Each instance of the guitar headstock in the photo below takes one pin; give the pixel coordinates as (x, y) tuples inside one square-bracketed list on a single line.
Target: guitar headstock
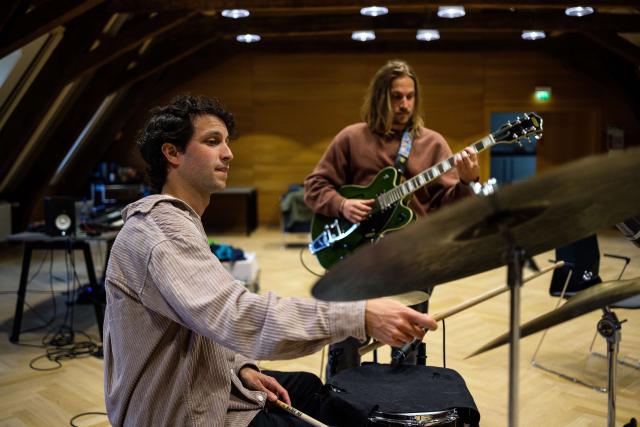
[(530, 125)]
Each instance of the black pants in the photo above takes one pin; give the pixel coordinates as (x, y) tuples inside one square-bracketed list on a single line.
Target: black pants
[(303, 389)]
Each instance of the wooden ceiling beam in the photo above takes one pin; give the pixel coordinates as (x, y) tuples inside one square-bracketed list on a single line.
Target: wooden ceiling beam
[(474, 21), (128, 40), (42, 20), (47, 86), (158, 5), (10, 9), (624, 48), (167, 54)]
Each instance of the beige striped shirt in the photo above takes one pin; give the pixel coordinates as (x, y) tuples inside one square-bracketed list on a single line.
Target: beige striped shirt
[(178, 327)]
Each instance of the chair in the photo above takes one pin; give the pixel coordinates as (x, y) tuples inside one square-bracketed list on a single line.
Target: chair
[(581, 271), (295, 216)]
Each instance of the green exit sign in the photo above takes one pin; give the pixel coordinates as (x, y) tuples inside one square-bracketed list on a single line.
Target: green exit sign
[(543, 94)]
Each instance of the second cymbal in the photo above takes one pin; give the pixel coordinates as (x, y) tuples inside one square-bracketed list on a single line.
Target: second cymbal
[(590, 299), (411, 298)]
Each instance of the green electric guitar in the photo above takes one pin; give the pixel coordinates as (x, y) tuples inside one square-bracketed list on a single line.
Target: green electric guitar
[(335, 238)]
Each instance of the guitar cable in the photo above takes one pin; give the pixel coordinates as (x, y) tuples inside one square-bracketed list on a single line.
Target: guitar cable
[(306, 267)]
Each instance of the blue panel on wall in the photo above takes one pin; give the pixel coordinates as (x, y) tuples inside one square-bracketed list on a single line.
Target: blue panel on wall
[(511, 162)]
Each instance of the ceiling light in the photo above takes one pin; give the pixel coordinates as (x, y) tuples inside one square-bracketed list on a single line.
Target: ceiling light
[(374, 11), (428, 35), (248, 38), (235, 13), (533, 35), (451, 11), (578, 11), (363, 36)]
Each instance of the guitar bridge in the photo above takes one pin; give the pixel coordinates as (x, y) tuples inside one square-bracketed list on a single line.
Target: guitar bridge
[(332, 233)]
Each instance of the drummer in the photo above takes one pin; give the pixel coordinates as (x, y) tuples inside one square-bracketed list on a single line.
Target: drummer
[(180, 335), (392, 109)]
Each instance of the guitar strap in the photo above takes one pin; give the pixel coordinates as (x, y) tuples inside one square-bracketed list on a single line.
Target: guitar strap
[(403, 151)]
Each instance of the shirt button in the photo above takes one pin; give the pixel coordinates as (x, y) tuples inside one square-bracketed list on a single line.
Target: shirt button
[(260, 397)]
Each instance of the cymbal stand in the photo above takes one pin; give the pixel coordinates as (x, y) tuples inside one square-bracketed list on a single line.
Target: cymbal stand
[(515, 258), (609, 327)]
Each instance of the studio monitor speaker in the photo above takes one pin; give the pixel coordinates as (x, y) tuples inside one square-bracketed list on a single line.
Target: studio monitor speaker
[(59, 215)]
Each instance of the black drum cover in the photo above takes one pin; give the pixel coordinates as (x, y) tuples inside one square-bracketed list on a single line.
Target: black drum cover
[(354, 394)]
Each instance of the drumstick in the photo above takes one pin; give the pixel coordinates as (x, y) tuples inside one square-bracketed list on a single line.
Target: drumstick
[(467, 304), (299, 414)]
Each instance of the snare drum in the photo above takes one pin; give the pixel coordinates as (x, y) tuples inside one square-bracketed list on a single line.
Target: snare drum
[(447, 418), (398, 396)]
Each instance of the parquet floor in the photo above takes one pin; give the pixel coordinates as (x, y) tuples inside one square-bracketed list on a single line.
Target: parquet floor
[(51, 398)]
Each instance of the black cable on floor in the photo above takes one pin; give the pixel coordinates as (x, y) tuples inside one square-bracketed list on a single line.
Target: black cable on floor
[(84, 414)]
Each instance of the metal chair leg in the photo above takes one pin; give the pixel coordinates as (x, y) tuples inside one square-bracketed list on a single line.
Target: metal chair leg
[(562, 375)]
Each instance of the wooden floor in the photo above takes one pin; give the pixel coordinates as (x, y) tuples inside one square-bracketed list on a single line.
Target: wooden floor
[(51, 398)]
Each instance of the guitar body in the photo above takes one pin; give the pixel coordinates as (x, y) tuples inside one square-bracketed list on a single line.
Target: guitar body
[(369, 230), (335, 238)]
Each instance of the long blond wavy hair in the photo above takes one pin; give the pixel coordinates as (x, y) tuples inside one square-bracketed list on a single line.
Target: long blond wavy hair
[(376, 109)]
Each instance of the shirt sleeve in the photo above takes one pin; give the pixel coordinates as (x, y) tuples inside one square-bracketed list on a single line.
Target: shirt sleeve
[(196, 291), (331, 172)]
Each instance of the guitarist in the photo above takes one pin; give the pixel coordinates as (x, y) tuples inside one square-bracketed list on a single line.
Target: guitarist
[(392, 107)]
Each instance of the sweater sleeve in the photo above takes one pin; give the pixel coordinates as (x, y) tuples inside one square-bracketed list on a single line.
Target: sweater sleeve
[(331, 172)]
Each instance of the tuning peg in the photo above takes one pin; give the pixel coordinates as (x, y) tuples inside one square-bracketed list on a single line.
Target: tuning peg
[(537, 137), (526, 116)]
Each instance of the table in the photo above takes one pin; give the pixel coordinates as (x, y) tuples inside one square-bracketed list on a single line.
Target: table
[(231, 210), (38, 241)]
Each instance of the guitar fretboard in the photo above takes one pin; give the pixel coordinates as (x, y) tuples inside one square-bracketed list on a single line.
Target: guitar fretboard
[(411, 185)]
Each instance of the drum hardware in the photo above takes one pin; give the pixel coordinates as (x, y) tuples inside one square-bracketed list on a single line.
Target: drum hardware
[(563, 293), (529, 217), (598, 296), (470, 303), (425, 419)]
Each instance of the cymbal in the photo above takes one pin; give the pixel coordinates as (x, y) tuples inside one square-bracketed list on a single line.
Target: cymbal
[(590, 299), (411, 298), (473, 235)]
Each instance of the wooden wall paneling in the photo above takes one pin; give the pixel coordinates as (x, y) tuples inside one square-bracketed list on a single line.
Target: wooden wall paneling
[(568, 136), (290, 105)]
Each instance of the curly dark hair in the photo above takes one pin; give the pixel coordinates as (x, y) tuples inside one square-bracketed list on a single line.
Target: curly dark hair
[(173, 123)]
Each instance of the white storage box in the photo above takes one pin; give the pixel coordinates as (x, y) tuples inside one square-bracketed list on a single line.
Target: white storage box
[(247, 271)]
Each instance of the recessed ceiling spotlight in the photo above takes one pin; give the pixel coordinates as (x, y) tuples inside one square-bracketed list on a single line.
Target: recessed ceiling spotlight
[(374, 11), (578, 11), (451, 11), (248, 38), (533, 35), (235, 13), (363, 36), (428, 35)]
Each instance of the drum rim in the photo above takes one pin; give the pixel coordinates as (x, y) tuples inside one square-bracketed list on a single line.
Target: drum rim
[(446, 415)]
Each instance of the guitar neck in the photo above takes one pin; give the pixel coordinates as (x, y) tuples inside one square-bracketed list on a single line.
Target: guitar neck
[(414, 184)]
